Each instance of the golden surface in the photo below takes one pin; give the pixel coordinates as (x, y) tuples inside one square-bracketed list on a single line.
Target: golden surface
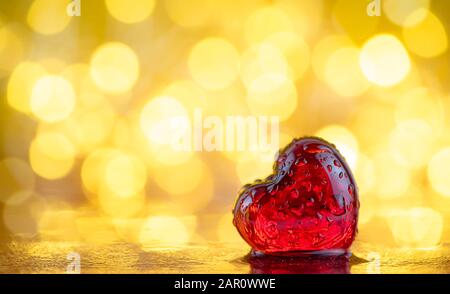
[(212, 257)]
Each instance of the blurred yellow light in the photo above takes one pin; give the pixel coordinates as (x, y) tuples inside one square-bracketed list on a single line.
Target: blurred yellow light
[(53, 64), (227, 233), (58, 225), (88, 129), (93, 168), (343, 73), (190, 94), (76, 74), (262, 158), (392, 179), (21, 219), (181, 179), (118, 206), (88, 93), (11, 50), (427, 38), (365, 174), (251, 169), (418, 227), (400, 11), (196, 200), (351, 16), (295, 50), (420, 104), (190, 14), (165, 155), (48, 17), (324, 49), (272, 95), (125, 175), (52, 99), (391, 95), (306, 16), (20, 196), (366, 210), (15, 176), (51, 155), (411, 143), (262, 59), (130, 11), (266, 21), (21, 84), (161, 118), (96, 230), (438, 174), (368, 118), (384, 60), (114, 68), (128, 229), (228, 101), (214, 63), (163, 232), (344, 141)]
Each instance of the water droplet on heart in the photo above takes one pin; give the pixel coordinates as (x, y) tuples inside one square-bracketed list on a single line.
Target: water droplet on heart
[(337, 163), (310, 202), (307, 186), (329, 168), (300, 161), (351, 189), (341, 174)]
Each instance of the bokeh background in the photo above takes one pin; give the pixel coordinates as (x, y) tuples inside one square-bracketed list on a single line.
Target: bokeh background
[(84, 155)]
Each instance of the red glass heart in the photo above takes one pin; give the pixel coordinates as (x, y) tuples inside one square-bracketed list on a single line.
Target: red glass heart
[(309, 205)]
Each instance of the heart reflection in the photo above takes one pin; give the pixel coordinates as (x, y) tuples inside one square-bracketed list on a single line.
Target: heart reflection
[(304, 264)]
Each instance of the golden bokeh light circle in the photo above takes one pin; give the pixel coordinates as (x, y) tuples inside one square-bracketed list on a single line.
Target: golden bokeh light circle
[(52, 155), (438, 175), (114, 68), (417, 37), (272, 95), (343, 73), (48, 17), (130, 11), (214, 63), (384, 60), (53, 99)]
